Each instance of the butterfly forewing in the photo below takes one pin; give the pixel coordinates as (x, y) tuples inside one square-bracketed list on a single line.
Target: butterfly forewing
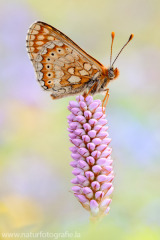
[(61, 66)]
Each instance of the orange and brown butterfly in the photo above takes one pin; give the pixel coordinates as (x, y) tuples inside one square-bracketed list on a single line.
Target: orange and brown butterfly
[(62, 67)]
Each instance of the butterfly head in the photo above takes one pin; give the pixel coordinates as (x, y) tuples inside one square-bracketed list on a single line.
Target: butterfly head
[(112, 73)]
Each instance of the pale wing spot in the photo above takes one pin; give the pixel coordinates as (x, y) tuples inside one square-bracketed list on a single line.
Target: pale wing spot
[(45, 30), (39, 48), (95, 75), (74, 79), (34, 55), (40, 37), (36, 27), (59, 63), (31, 49), (44, 50), (64, 60), (75, 55), (30, 43), (57, 83), (59, 74), (39, 76), (31, 37), (39, 43), (58, 43), (57, 68), (83, 72), (71, 70), (32, 31), (50, 38), (87, 66), (50, 45), (42, 83), (94, 67), (38, 66), (70, 58), (38, 58)]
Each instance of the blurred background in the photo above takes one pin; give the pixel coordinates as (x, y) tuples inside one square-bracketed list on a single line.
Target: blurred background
[(34, 148)]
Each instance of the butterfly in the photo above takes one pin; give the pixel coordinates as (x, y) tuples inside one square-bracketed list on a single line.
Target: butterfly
[(62, 67)]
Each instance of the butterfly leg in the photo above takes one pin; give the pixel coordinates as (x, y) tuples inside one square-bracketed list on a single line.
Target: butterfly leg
[(93, 86), (106, 98)]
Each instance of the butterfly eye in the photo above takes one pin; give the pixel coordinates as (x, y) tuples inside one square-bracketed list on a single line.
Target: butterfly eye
[(49, 81), (48, 59), (48, 66), (52, 54)]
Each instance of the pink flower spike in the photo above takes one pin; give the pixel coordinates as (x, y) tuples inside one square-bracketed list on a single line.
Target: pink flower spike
[(96, 169), (86, 138), (81, 179), (73, 149), (79, 132), (83, 106), (80, 119), (106, 186), (96, 154), (101, 178), (75, 181), (82, 198), (92, 133), (94, 207), (83, 165), (74, 164), (102, 122), (77, 142), (96, 141), (102, 135), (93, 106), (77, 171), (80, 98), (95, 186), (92, 157), (83, 152), (97, 115), (88, 192), (90, 160), (99, 195), (105, 154), (73, 104), (106, 141), (101, 161), (89, 99), (105, 203), (72, 135), (109, 192), (102, 147), (90, 175), (86, 127), (87, 115), (76, 156), (107, 210), (91, 146), (92, 122), (77, 189)]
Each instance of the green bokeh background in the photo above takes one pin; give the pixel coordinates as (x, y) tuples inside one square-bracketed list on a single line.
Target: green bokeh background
[(34, 148)]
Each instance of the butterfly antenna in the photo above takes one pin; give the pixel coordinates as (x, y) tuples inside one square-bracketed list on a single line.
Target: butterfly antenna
[(112, 35), (130, 38)]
